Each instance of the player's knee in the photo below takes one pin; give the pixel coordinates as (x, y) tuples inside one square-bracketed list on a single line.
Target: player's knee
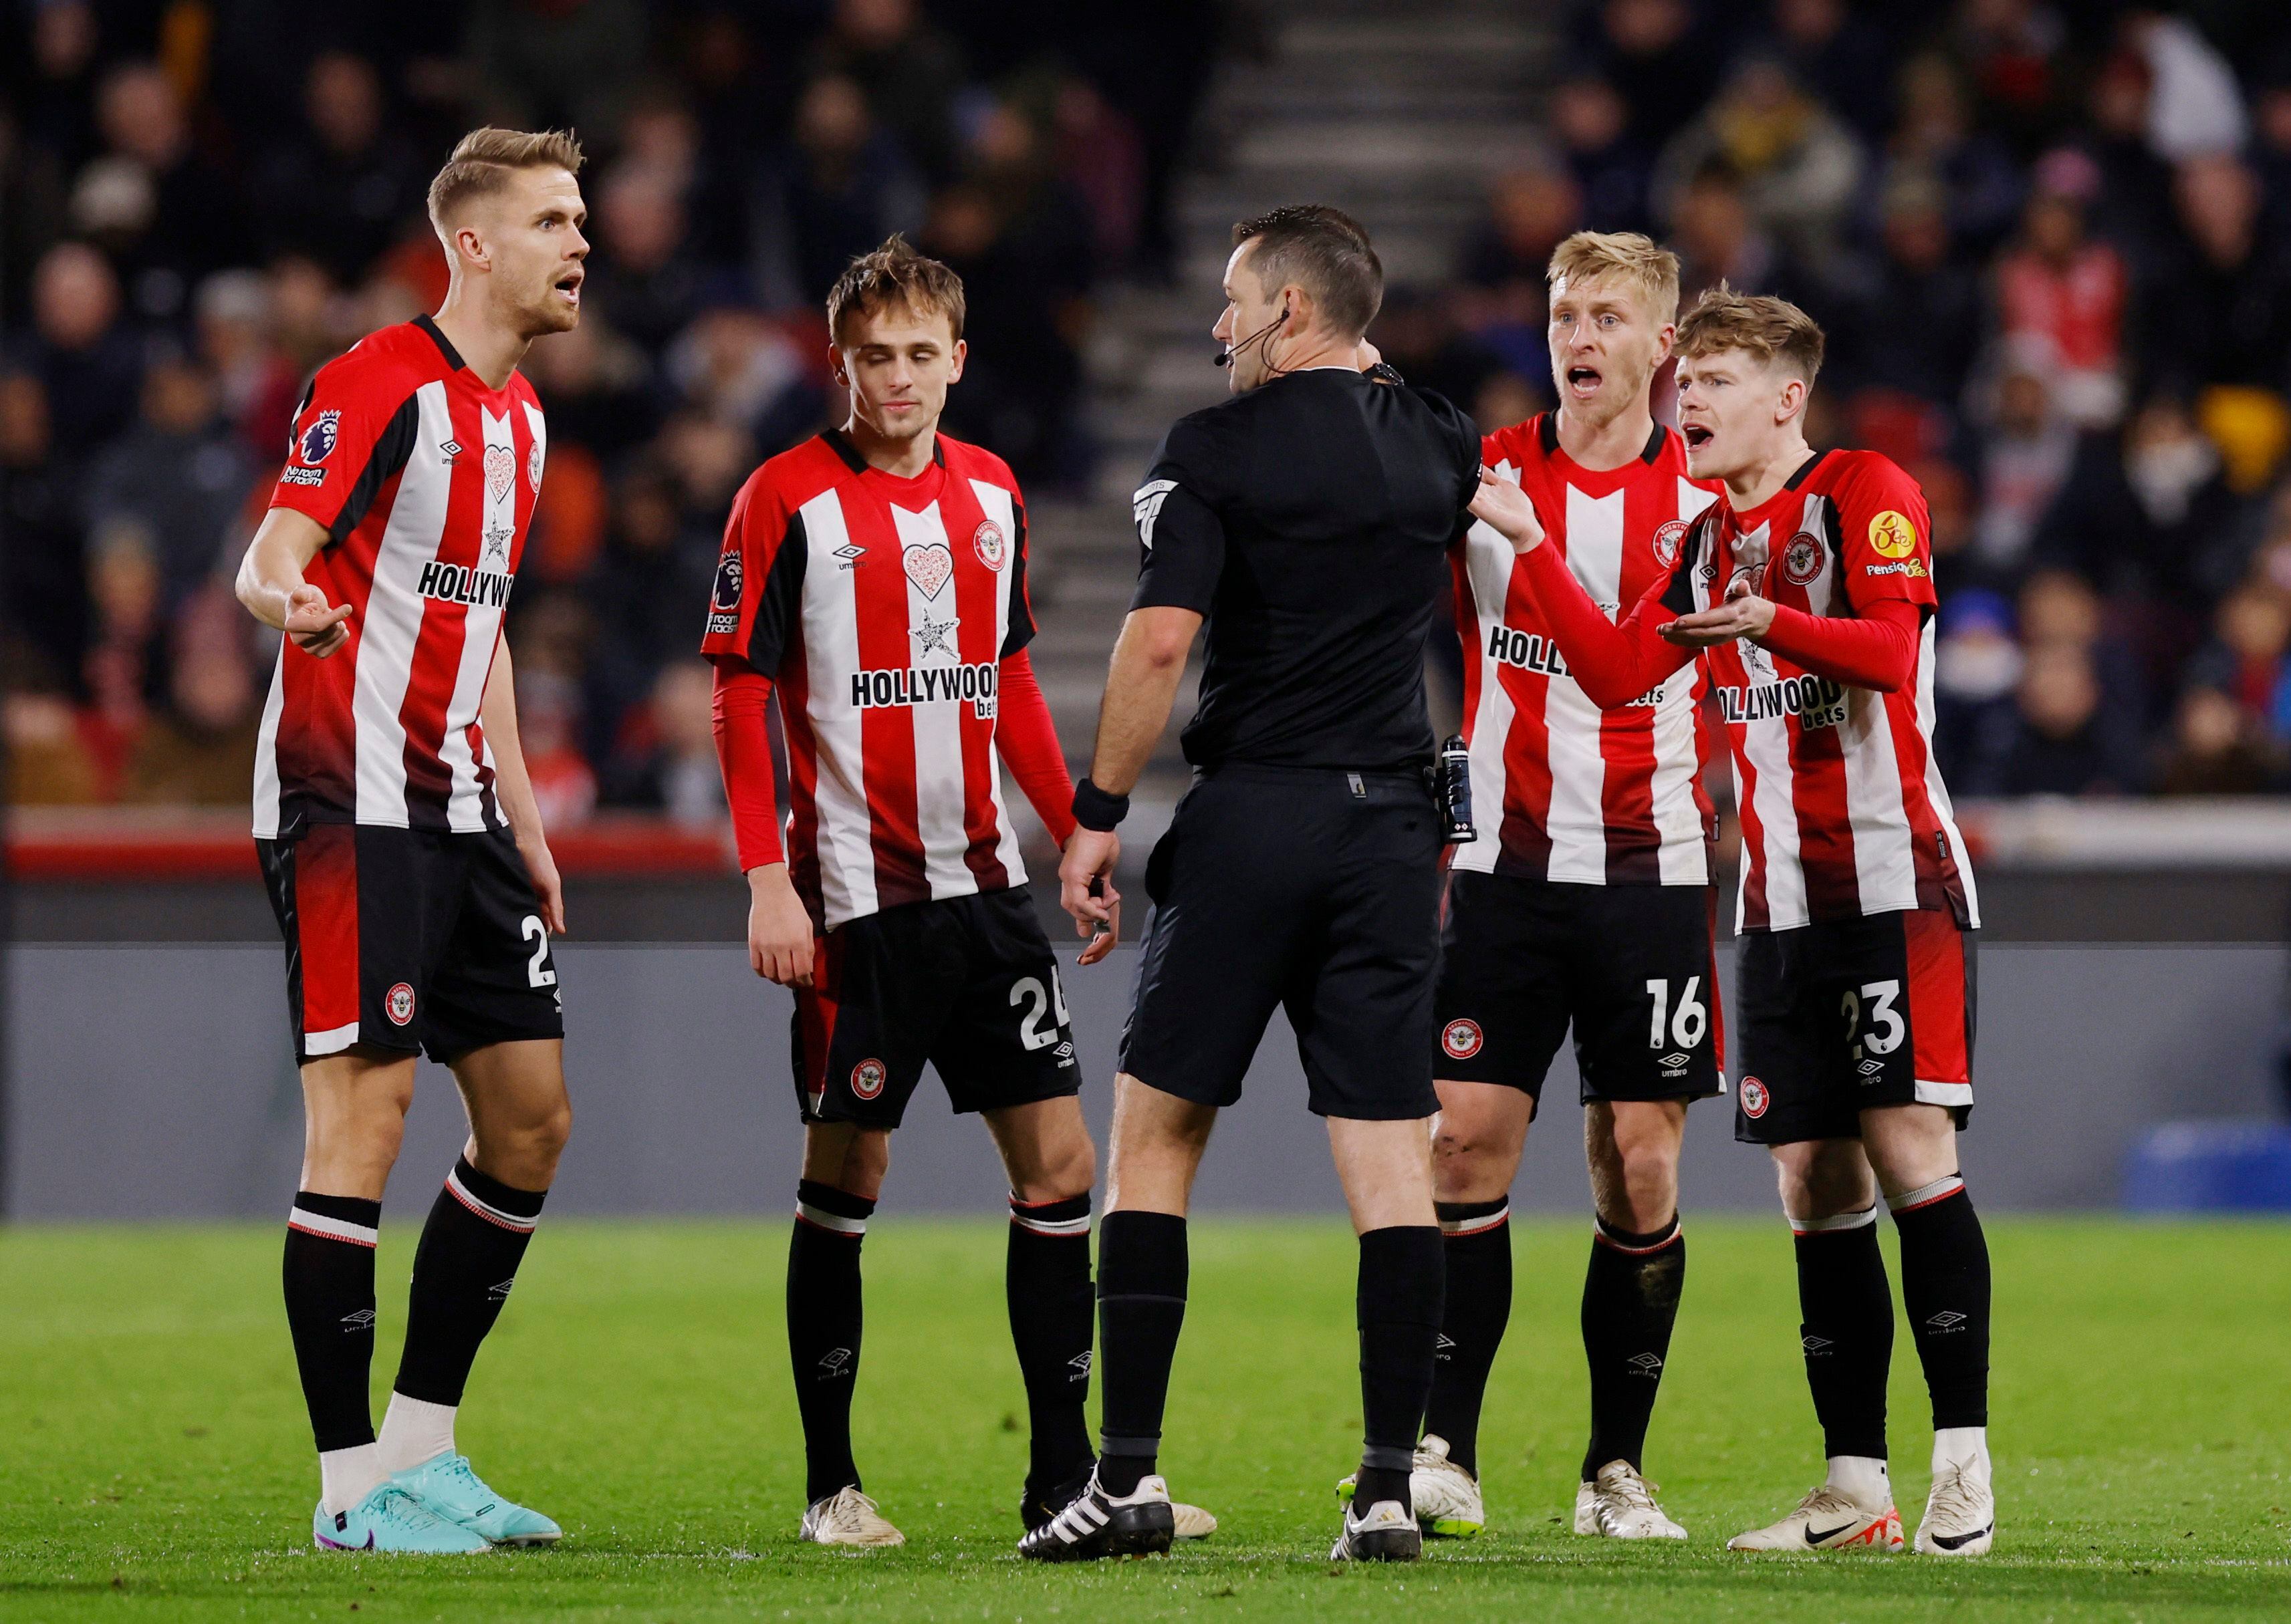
[(1467, 1160), (1640, 1184)]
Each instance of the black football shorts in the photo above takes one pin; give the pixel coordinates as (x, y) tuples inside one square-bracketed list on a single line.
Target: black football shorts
[(1837, 1018), (1313, 890), (409, 939), (968, 984), (1632, 968)]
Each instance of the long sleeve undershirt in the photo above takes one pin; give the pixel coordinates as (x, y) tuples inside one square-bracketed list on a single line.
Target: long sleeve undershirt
[(1616, 664)]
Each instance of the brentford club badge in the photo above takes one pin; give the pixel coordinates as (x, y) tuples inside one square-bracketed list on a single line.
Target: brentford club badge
[(867, 1078), (987, 541), (1802, 559), (533, 468), (1461, 1039), (399, 1003), (1755, 1098), (1667, 542)]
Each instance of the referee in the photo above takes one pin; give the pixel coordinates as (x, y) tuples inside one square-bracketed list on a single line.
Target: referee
[(1307, 519)]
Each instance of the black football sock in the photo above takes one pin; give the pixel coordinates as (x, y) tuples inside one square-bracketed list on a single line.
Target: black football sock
[(1846, 1311), (1475, 1244), (1401, 1283), (1046, 1275), (1630, 1303), (1945, 1288), (823, 1323), (329, 1280), (472, 1244), (1141, 1308)]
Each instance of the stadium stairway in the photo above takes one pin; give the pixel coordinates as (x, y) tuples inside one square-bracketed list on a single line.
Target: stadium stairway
[(1398, 113)]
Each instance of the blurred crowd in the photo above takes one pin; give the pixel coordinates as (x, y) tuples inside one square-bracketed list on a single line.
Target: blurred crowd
[(2051, 246), (200, 203)]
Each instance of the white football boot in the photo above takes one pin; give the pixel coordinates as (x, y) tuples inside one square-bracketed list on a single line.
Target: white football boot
[(1827, 1520), (1619, 1504), (847, 1517), (1446, 1497), (1960, 1517), (1190, 1522)]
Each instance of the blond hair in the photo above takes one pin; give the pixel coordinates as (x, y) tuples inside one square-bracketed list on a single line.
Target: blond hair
[(895, 274), (1629, 256), (1774, 331), (484, 160)]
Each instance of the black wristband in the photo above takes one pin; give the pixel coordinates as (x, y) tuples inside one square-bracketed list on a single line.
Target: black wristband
[(1095, 809)]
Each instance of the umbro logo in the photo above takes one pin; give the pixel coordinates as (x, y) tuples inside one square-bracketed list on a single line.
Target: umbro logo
[(1676, 1061), (1816, 1346), (1945, 1322), (851, 553), (1649, 1365), (835, 1361), (448, 451), (1870, 1069), (500, 1293), (1080, 1365), (362, 1320), (1440, 1347)]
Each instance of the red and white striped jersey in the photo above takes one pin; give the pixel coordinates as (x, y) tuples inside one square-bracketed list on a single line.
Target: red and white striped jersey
[(880, 608), (1586, 797), (1844, 811), (425, 481)]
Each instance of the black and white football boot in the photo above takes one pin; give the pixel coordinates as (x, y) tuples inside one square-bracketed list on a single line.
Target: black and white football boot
[(1387, 1533), (1095, 1525)]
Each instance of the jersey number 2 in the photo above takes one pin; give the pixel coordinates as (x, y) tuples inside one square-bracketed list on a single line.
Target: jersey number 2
[(1028, 990), (538, 974)]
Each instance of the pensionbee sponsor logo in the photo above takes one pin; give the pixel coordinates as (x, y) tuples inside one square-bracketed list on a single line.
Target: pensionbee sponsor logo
[(975, 684), (456, 583), (1532, 651), (1815, 701)]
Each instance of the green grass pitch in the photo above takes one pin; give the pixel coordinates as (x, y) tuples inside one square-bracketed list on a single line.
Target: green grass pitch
[(154, 1461)]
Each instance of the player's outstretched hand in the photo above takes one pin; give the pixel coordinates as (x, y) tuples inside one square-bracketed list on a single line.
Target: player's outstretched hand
[(548, 884), (1086, 890), (1743, 614), (316, 628), (780, 942), (1505, 509)]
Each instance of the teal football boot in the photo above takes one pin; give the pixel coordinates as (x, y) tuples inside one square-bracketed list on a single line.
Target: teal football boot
[(447, 1488), (390, 1519)]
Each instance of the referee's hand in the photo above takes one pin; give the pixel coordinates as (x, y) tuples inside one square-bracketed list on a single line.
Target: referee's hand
[(316, 629), (1086, 890)]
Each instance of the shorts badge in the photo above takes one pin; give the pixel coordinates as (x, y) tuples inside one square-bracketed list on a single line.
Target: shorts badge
[(1461, 1039), (867, 1078), (398, 1003), (1755, 1098), (987, 541)]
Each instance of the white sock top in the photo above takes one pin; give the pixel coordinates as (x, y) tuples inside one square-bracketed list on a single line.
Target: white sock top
[(1861, 1479), (1961, 1446), (348, 1476), (414, 1431)]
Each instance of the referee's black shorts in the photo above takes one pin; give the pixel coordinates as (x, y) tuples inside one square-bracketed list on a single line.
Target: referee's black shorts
[(1313, 890)]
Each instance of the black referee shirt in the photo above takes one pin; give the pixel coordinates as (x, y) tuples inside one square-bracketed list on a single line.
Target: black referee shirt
[(1309, 520)]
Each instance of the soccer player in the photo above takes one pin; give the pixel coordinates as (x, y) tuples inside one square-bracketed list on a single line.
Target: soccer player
[(400, 841), (1809, 596), (875, 578), (1586, 899)]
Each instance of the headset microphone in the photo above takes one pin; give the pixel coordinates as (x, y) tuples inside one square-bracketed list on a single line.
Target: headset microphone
[(1224, 357)]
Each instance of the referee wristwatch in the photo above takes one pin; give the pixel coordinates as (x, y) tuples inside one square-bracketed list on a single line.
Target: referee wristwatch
[(1096, 809)]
